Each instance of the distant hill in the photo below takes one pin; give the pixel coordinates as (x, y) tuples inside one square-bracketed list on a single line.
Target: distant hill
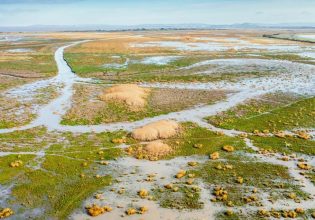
[(97, 27)]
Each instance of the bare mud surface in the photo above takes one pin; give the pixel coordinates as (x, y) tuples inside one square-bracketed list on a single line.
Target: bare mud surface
[(132, 179)]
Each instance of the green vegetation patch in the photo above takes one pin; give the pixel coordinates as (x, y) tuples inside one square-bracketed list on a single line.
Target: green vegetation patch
[(195, 140), (39, 63), (180, 77), (9, 173), (285, 145), (69, 172), (58, 193), (289, 56), (89, 147), (10, 124), (255, 174), (186, 197), (92, 65), (84, 63), (259, 115), (27, 140), (265, 177)]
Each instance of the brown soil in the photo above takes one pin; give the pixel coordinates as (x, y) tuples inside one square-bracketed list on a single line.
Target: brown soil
[(183, 98)]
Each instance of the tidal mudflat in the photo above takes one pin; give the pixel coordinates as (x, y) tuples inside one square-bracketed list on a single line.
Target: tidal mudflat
[(157, 125)]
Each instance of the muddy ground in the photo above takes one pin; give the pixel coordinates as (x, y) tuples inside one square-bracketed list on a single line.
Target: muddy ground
[(244, 141)]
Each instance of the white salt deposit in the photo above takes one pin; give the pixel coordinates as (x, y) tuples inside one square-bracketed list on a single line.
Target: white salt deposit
[(159, 60), (19, 50)]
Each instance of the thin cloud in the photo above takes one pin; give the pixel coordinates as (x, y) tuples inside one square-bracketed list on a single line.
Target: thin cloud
[(11, 2), (122, 12), (17, 10)]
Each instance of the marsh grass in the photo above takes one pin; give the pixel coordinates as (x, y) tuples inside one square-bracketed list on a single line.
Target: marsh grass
[(193, 135), (263, 116), (58, 194), (58, 187), (91, 65), (286, 145), (9, 173), (184, 198), (269, 178)]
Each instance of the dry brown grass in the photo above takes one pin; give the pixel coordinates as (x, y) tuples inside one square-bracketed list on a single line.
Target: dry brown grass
[(4, 57), (8, 81), (77, 35), (85, 103), (134, 96), (9, 116), (156, 130), (120, 45), (178, 99), (87, 108)]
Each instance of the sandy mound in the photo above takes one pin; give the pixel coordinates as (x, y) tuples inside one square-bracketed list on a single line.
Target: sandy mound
[(156, 130), (157, 149), (153, 150), (132, 95)]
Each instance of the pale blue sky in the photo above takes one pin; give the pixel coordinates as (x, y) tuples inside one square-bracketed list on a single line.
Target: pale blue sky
[(130, 12)]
